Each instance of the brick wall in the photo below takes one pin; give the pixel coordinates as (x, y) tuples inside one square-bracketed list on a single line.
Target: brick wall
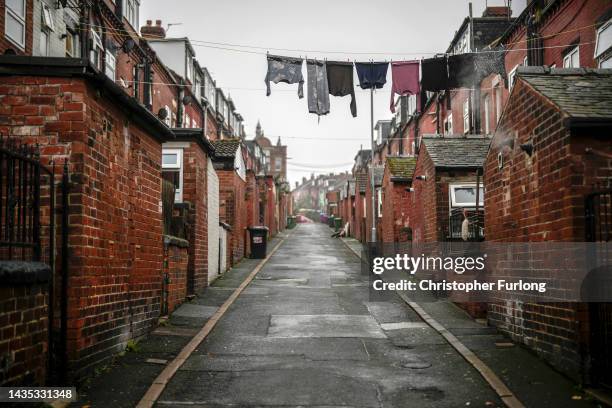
[(396, 210), (195, 192), (541, 198), (23, 327), (176, 264), (233, 211), (115, 217), (425, 223)]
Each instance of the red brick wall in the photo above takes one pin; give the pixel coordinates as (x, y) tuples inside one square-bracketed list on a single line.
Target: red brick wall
[(115, 218), (424, 224), (195, 192), (23, 334), (396, 210), (233, 211), (541, 198), (5, 43), (176, 264)]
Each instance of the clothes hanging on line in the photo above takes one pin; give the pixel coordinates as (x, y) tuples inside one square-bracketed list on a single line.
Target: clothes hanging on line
[(372, 74), (405, 79), (461, 71), (340, 81), (318, 91), (434, 74), (285, 69), (487, 63)]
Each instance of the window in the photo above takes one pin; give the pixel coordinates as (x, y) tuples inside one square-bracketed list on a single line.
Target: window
[(95, 55), (15, 22), (448, 124), (512, 77), (466, 116), (464, 195), (572, 58), (380, 201), (168, 120), (209, 88), (130, 11), (172, 170), (111, 65), (498, 103), (47, 18), (525, 61), (603, 45), (487, 114), (72, 44), (189, 68), (43, 43), (187, 121), (278, 163), (197, 87)]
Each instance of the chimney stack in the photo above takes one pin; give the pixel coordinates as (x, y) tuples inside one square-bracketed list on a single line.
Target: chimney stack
[(151, 31), (497, 11)]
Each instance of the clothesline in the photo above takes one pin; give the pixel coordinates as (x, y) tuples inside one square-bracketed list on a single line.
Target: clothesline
[(225, 45), (279, 90)]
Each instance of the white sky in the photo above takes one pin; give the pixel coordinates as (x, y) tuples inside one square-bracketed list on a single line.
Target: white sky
[(412, 27)]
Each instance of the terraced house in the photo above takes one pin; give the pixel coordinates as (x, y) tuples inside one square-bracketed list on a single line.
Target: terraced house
[(134, 212)]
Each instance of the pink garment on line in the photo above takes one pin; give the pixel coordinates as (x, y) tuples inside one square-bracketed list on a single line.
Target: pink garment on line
[(405, 76)]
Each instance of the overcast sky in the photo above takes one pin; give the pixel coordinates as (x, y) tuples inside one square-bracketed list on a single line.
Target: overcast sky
[(401, 29)]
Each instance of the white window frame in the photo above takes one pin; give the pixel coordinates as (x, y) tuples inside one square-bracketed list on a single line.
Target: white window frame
[(43, 40), (466, 116), (178, 193), (47, 18), (568, 58), (487, 113), (110, 65), (21, 19), (74, 42), (95, 54), (448, 124), (598, 54), (379, 203), (131, 11), (512, 76), (278, 163), (168, 120), (453, 199)]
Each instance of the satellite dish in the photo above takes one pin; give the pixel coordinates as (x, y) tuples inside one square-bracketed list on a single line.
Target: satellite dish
[(128, 45), (187, 99), (162, 114)]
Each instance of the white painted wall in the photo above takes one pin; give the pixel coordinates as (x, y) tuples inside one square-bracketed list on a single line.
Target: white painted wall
[(213, 222)]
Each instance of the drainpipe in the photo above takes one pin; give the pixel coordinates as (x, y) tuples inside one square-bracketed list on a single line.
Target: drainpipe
[(180, 108)]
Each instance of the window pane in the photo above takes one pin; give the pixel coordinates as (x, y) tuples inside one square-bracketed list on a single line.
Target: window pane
[(43, 45), (17, 6), (15, 29), (604, 39), (170, 159), (465, 195)]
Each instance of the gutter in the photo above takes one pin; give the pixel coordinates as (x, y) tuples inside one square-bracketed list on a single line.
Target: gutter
[(195, 135), (586, 122)]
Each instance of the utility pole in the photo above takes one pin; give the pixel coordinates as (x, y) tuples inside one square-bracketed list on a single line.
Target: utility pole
[(372, 183)]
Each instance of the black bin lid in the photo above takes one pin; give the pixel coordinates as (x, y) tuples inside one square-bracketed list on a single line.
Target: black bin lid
[(258, 228)]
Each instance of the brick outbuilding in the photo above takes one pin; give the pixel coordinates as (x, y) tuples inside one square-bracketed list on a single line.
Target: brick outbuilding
[(445, 168), (397, 201), (231, 169), (551, 151)]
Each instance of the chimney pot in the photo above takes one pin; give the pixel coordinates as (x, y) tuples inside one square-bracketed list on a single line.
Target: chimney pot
[(158, 23), (149, 22)]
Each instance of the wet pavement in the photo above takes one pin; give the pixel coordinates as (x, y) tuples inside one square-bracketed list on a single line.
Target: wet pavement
[(305, 333)]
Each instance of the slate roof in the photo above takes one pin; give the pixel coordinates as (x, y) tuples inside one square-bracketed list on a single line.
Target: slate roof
[(379, 171), (401, 168), (226, 148), (361, 179), (578, 92), (457, 152)]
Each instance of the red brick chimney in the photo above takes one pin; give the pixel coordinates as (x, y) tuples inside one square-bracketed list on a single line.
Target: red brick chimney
[(497, 11), (153, 31)]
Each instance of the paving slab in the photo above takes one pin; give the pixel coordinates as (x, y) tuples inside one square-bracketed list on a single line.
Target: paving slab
[(324, 326)]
